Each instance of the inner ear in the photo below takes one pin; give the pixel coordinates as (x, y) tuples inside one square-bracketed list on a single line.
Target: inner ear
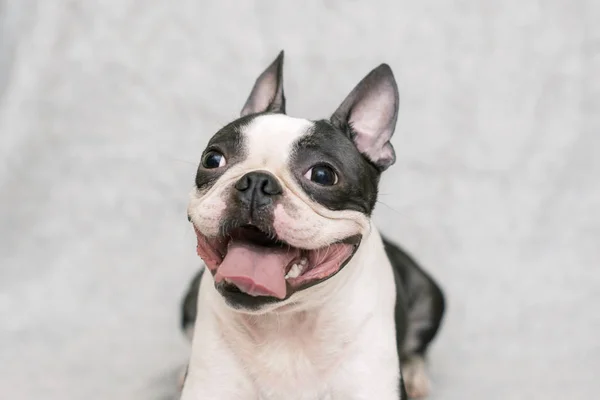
[(267, 94), (370, 112)]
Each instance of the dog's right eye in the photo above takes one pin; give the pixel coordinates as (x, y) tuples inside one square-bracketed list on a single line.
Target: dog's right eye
[(213, 159), (322, 174)]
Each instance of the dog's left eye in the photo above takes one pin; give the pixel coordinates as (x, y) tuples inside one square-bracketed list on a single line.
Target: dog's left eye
[(213, 159), (322, 174)]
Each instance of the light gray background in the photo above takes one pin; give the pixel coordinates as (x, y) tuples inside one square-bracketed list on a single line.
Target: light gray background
[(106, 106)]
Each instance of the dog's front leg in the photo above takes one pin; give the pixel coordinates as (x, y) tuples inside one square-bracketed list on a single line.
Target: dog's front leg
[(213, 373), (372, 371), (368, 385), (217, 386)]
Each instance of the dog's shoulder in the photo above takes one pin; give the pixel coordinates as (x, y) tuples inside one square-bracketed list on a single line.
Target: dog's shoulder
[(402, 262), (420, 302), (189, 304), (409, 274)]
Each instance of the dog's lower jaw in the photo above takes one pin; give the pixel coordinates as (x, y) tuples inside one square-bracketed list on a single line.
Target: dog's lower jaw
[(339, 345)]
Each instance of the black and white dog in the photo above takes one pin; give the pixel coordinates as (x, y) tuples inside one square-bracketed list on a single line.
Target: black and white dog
[(303, 298)]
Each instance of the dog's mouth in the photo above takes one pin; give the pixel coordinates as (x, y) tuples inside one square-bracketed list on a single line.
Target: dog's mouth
[(250, 261)]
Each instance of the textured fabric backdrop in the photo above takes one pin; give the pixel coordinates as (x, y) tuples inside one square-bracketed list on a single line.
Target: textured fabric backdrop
[(106, 105)]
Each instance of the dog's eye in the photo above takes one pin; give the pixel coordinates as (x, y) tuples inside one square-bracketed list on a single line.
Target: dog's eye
[(323, 175), (213, 159)]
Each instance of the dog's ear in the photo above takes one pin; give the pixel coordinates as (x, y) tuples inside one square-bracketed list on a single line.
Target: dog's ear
[(267, 93), (369, 113)]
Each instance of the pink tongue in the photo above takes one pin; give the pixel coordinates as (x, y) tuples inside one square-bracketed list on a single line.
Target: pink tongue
[(257, 271)]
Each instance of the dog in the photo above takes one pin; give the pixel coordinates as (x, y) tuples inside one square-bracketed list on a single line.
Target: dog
[(300, 296)]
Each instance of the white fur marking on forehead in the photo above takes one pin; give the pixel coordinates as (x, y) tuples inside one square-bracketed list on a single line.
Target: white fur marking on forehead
[(269, 138)]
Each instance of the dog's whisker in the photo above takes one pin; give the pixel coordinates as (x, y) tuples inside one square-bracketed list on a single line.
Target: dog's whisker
[(391, 208), (182, 161)]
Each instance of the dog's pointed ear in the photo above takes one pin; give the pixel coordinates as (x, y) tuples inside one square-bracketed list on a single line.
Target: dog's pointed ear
[(267, 93), (369, 113)]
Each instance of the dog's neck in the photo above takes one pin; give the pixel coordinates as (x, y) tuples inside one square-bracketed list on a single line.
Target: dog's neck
[(307, 343), (339, 299)]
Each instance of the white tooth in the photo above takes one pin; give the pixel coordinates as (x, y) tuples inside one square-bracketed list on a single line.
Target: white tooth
[(304, 261), (295, 271)]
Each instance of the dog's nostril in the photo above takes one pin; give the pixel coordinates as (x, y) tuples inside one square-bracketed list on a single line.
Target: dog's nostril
[(259, 183), (243, 183), (271, 187)]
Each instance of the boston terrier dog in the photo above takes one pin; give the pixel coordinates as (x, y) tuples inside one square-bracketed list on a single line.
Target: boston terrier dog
[(301, 298)]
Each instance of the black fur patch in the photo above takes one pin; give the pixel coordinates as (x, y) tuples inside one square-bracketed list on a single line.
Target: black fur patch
[(414, 285), (403, 394), (228, 141), (358, 178), (189, 303)]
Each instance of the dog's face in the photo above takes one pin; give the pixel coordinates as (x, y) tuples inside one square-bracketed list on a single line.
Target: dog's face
[(281, 203)]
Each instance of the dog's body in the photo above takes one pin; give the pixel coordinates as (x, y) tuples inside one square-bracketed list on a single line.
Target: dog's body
[(303, 299)]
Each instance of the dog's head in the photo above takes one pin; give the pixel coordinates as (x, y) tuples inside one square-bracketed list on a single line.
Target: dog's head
[(281, 204)]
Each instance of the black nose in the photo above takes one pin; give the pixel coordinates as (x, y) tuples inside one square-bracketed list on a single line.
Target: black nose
[(258, 188)]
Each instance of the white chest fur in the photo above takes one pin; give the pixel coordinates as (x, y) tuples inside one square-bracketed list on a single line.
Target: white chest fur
[(343, 349), (295, 355)]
